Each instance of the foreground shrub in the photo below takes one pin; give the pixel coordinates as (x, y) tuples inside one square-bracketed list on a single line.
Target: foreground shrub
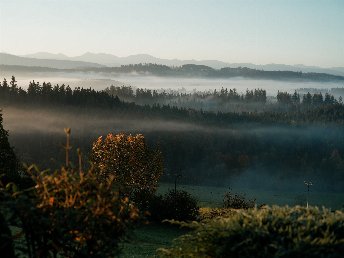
[(178, 205), (71, 214), (268, 232), (237, 201)]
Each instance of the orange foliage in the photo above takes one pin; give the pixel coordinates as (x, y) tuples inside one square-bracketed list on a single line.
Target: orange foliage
[(128, 160)]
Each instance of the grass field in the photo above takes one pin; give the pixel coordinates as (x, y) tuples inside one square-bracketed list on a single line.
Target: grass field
[(144, 240), (212, 196)]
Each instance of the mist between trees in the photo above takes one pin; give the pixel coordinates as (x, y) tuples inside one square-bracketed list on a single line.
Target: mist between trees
[(276, 146)]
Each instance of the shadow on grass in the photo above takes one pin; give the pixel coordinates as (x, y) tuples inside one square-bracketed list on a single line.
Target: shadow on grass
[(144, 240)]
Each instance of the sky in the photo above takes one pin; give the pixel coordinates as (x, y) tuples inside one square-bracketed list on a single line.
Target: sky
[(309, 32)]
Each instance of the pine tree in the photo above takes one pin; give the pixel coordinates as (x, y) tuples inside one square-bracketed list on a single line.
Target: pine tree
[(8, 160)]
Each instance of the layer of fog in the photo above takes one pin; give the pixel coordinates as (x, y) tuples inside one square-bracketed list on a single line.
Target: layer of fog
[(19, 121), (38, 124), (100, 122), (100, 81)]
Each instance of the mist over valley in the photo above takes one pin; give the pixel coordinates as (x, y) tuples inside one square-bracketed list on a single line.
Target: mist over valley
[(248, 156), (161, 128), (100, 81), (251, 153)]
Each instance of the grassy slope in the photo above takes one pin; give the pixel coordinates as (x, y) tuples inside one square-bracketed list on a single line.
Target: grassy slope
[(146, 239)]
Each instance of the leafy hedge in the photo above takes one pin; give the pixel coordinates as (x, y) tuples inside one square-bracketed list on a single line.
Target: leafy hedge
[(268, 232)]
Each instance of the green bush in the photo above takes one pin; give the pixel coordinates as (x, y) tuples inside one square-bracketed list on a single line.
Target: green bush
[(237, 201), (178, 205), (268, 232)]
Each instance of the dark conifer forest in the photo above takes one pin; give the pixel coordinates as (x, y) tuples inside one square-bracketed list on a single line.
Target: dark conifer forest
[(295, 137)]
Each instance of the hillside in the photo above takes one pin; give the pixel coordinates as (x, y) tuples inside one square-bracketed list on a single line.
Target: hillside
[(185, 71)]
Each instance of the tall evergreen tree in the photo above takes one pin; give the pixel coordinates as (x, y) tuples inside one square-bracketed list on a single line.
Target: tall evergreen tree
[(8, 160)]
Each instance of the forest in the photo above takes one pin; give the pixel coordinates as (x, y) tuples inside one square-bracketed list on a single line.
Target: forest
[(289, 108), (293, 138)]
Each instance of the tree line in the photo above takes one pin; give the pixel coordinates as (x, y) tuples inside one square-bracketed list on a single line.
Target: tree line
[(140, 95), (288, 109)]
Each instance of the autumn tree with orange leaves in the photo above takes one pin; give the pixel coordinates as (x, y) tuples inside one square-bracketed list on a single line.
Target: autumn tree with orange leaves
[(129, 161)]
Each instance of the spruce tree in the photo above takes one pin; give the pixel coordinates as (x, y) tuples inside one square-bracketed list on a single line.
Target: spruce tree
[(8, 160)]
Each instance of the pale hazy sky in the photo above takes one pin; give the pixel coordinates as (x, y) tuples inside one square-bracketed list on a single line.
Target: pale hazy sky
[(310, 32)]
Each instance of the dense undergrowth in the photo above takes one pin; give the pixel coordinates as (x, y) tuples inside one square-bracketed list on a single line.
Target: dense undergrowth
[(175, 204), (267, 232), (237, 201)]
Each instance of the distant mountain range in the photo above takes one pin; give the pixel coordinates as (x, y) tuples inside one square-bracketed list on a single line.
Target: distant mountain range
[(112, 60), (7, 59), (61, 61)]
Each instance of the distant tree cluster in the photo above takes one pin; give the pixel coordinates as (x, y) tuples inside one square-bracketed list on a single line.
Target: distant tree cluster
[(187, 70), (192, 70), (315, 99), (154, 96), (149, 96), (229, 105), (57, 94)]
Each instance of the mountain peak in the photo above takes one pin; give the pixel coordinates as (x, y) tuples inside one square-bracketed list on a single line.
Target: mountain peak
[(142, 55), (47, 55)]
